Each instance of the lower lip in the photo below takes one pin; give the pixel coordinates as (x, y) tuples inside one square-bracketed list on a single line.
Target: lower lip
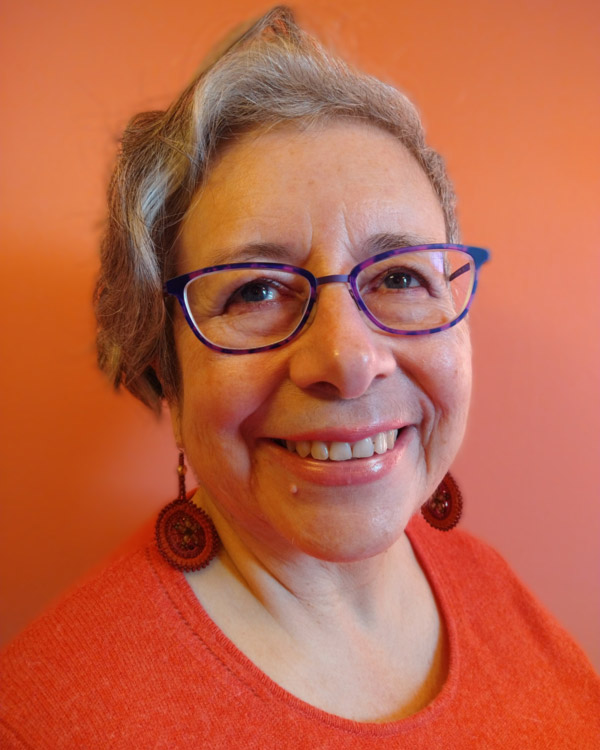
[(343, 473)]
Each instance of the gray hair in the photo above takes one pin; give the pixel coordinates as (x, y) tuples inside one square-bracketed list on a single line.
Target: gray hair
[(273, 73)]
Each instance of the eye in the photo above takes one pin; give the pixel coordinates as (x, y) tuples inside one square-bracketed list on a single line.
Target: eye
[(258, 290), (401, 279)]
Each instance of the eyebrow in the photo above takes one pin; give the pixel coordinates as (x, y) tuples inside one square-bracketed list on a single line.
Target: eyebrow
[(251, 251), (379, 243), (271, 251)]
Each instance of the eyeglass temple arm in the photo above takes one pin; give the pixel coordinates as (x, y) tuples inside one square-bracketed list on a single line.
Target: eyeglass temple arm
[(459, 272)]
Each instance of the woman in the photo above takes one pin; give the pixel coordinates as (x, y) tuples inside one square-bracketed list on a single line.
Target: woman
[(281, 266)]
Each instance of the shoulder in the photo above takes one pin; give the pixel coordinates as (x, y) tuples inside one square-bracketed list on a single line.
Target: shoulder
[(118, 646), (77, 647), (473, 574), (488, 604), (470, 562), (74, 623), (504, 643)]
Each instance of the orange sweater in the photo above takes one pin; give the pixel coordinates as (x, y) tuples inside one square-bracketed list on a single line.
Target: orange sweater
[(131, 660)]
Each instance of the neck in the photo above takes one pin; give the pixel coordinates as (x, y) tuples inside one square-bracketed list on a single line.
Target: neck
[(360, 639), (299, 591)]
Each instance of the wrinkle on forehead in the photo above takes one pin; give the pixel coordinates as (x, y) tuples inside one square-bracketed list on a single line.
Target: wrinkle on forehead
[(292, 188)]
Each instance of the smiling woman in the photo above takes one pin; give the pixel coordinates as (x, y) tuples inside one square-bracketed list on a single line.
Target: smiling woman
[(337, 187), (282, 266)]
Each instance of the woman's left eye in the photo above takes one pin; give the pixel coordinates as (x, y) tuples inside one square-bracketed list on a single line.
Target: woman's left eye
[(401, 280)]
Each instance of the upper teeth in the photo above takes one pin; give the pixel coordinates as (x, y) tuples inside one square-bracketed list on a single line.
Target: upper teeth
[(379, 443)]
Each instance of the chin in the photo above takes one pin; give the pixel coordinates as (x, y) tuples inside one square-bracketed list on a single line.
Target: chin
[(354, 534)]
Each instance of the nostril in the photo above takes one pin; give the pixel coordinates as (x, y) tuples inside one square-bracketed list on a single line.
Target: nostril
[(325, 390)]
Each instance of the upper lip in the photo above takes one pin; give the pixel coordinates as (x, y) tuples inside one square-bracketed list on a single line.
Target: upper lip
[(340, 434)]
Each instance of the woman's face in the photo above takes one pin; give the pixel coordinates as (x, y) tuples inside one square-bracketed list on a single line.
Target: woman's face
[(324, 199)]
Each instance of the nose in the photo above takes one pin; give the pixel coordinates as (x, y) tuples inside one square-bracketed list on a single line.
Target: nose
[(340, 354)]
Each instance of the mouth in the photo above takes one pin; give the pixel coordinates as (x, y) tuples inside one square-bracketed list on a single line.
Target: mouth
[(377, 444)]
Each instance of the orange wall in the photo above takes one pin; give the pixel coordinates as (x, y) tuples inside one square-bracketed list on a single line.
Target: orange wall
[(510, 94)]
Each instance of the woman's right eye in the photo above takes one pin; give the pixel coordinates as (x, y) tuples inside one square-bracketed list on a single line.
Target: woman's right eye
[(254, 291)]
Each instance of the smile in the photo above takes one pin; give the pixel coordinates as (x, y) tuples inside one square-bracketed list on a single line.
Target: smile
[(380, 443)]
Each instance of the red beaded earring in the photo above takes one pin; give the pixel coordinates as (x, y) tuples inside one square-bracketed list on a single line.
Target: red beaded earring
[(185, 534), (444, 508)]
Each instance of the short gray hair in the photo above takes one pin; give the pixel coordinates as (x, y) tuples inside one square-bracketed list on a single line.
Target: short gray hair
[(272, 73)]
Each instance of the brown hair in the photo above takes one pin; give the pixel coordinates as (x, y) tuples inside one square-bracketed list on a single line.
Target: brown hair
[(272, 73)]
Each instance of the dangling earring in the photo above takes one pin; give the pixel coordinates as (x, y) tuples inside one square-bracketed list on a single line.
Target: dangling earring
[(185, 534), (444, 507)]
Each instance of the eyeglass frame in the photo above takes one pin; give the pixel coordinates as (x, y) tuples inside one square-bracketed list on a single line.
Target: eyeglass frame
[(176, 286)]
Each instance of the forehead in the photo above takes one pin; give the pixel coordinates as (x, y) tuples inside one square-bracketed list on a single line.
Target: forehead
[(333, 185)]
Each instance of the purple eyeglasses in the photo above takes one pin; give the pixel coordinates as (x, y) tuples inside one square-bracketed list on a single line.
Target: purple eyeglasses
[(242, 308)]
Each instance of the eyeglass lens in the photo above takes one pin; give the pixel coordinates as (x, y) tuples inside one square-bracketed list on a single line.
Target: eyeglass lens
[(249, 308)]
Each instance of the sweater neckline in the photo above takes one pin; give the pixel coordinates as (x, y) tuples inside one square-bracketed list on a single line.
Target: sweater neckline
[(198, 632)]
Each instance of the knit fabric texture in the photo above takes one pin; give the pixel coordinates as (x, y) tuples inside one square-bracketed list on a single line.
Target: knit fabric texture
[(131, 660)]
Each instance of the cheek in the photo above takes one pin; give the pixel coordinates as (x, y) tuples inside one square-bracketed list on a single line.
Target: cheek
[(458, 386), (221, 393), (212, 407), (454, 373), (445, 378)]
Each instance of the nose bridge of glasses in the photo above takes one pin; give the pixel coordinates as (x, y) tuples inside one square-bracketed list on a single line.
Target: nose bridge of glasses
[(334, 278), (338, 278)]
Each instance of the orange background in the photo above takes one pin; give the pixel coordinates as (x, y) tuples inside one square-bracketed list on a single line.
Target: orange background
[(510, 95)]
